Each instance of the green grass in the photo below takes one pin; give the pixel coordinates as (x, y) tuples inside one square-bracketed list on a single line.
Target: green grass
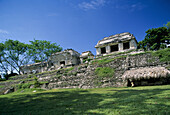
[(104, 72), (1, 86), (150, 100), (106, 60)]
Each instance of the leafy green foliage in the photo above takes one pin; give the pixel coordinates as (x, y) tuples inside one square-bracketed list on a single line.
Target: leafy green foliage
[(104, 72), (24, 85), (14, 54), (2, 79), (88, 60), (168, 26), (2, 86), (36, 82), (41, 50), (164, 54), (156, 38)]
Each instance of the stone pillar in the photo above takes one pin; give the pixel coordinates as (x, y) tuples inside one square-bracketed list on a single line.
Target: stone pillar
[(120, 46), (107, 49), (133, 44), (81, 59), (98, 51)]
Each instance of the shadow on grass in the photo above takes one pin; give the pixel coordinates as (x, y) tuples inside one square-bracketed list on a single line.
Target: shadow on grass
[(126, 102)]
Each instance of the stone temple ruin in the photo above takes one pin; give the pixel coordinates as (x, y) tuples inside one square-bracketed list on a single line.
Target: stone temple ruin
[(115, 43), (58, 60), (86, 55), (116, 54)]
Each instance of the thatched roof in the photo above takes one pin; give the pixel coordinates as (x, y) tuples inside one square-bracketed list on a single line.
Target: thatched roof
[(146, 73)]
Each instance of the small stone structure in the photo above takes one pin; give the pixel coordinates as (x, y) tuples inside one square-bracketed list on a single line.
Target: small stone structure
[(86, 55), (116, 43), (34, 68), (65, 58)]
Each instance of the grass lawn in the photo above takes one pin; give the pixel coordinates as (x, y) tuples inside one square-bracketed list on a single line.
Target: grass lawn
[(149, 100)]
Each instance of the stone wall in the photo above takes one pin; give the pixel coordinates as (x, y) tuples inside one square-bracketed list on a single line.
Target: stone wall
[(84, 76), (116, 43), (57, 60)]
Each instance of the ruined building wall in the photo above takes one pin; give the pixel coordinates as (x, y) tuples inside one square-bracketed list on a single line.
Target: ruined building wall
[(84, 76), (65, 58), (116, 43)]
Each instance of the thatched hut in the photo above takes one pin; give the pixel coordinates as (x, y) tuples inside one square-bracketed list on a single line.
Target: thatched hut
[(147, 76)]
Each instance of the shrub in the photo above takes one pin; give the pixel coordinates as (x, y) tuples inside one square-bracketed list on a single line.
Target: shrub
[(29, 76), (88, 60), (24, 85), (1, 86), (36, 82), (104, 72), (2, 79), (65, 74), (164, 54), (58, 75)]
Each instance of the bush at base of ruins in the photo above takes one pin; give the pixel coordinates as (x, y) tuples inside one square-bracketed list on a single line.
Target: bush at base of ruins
[(87, 60), (36, 82), (2, 79), (104, 72), (1, 86), (24, 85)]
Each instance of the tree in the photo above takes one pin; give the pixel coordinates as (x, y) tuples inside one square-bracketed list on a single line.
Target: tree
[(3, 65), (168, 36), (41, 50), (155, 39), (168, 26), (15, 55)]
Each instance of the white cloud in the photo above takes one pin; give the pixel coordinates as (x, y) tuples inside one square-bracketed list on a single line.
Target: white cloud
[(93, 4), (3, 31), (130, 7)]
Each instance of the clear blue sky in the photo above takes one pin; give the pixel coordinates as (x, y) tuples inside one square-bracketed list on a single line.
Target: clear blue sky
[(79, 24)]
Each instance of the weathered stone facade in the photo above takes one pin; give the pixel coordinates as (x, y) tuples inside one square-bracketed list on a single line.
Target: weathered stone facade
[(65, 58), (131, 68), (86, 55), (35, 68), (116, 43), (84, 76)]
